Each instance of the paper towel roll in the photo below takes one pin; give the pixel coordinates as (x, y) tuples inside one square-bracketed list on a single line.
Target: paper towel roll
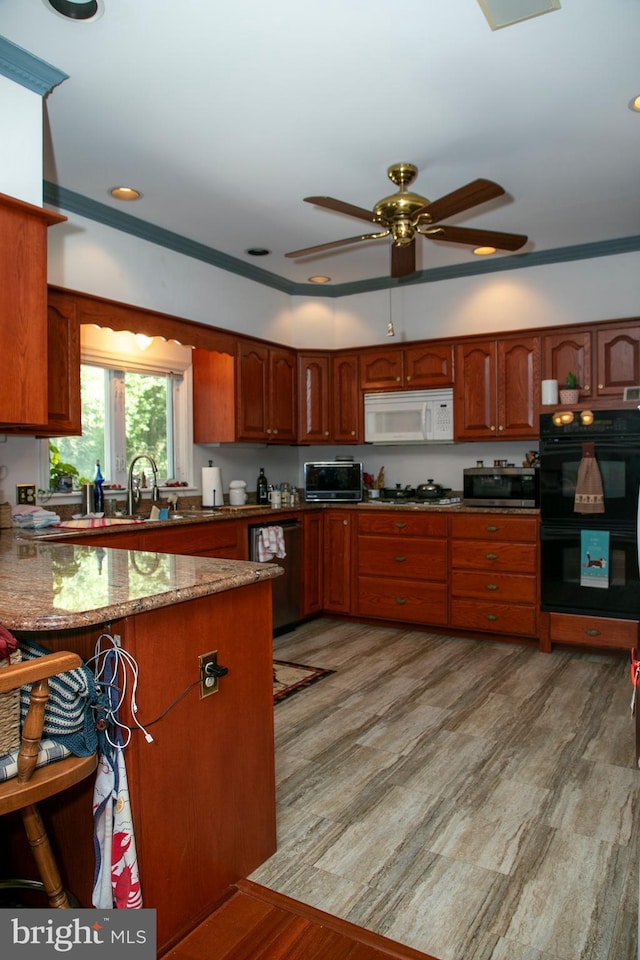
[(549, 392), (212, 495)]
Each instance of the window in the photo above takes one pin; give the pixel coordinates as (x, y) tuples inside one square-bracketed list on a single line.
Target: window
[(131, 404)]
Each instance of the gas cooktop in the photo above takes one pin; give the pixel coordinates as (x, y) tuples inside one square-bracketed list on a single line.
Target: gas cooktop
[(441, 502)]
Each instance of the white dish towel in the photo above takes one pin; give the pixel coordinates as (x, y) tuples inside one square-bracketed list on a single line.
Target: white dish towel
[(271, 543)]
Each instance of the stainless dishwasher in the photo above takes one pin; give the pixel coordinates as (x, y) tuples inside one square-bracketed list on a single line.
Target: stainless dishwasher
[(286, 589)]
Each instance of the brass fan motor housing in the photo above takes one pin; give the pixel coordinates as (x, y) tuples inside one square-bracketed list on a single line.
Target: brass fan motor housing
[(397, 211)]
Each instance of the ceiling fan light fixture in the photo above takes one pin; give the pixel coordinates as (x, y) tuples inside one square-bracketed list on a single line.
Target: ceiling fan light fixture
[(82, 11), (125, 193), (484, 251)]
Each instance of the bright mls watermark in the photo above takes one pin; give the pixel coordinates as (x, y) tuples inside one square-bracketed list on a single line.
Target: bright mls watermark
[(34, 934)]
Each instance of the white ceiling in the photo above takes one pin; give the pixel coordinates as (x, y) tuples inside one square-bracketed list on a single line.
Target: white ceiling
[(225, 115)]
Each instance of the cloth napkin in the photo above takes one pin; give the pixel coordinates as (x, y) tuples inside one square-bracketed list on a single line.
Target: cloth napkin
[(271, 543), (589, 496), (33, 517)]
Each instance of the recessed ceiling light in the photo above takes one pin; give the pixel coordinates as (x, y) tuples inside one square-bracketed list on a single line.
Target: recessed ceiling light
[(635, 104), (319, 279), (125, 193), (258, 252), (484, 251), (83, 11)]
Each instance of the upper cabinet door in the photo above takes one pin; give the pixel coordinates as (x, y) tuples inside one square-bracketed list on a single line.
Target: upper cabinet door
[(314, 373), (474, 408), (618, 358), (282, 413), (569, 352), (65, 404), (252, 373), (518, 387), (428, 366), (346, 400), (23, 312), (382, 369)]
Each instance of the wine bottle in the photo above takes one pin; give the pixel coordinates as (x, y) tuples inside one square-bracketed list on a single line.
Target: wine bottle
[(98, 492), (262, 488)]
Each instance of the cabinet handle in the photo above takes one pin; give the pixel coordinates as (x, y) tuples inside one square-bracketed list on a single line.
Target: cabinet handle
[(492, 586), (500, 427), (275, 431), (601, 386), (491, 616), (397, 379), (353, 433), (592, 632), (400, 524), (400, 559), (401, 601), (586, 388), (492, 528), (408, 379), (491, 556), (345, 523), (326, 433), (492, 427)]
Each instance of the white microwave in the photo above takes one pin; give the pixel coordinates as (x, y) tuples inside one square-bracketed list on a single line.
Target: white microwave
[(415, 416)]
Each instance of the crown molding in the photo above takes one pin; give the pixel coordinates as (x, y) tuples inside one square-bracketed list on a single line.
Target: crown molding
[(72, 202), (29, 71)]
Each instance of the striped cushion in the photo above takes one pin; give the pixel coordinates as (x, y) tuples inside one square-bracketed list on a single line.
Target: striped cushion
[(48, 751)]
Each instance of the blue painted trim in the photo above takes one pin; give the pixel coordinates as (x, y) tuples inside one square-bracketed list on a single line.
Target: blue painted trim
[(29, 71), (76, 203)]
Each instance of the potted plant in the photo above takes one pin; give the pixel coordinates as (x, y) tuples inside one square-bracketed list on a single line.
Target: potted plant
[(569, 393)]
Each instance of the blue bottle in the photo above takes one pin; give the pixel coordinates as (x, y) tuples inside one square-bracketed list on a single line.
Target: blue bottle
[(98, 493)]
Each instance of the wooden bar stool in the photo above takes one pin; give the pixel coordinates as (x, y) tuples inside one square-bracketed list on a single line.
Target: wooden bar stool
[(31, 785)]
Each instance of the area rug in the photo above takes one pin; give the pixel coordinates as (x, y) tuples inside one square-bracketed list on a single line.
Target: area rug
[(290, 678)]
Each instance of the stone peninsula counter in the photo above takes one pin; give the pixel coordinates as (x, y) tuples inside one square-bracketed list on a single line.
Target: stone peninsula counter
[(203, 791), (47, 586)]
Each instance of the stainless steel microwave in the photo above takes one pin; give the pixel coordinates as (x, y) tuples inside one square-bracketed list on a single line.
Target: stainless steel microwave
[(333, 480), (501, 487)]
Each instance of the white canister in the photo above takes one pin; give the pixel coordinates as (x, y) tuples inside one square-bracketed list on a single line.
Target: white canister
[(549, 393), (275, 499), (237, 493)]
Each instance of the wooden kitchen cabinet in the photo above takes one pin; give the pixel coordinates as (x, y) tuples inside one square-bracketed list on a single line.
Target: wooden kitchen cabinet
[(337, 534), (497, 386), (251, 396), (617, 359), (203, 793), (401, 567), (346, 405), (218, 538), (494, 574), (314, 398), (424, 366), (266, 393), (569, 351), (24, 386), (312, 598)]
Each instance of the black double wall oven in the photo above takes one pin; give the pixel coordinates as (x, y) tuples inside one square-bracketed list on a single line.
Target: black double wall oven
[(589, 561)]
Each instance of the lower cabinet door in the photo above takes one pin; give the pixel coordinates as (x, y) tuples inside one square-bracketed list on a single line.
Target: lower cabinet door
[(408, 600)]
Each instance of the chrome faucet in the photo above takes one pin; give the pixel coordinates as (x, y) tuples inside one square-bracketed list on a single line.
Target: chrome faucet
[(133, 488)]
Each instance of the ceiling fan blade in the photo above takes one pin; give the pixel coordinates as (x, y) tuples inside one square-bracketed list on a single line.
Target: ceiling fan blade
[(337, 243), (477, 238), (403, 260), (478, 191), (339, 206)]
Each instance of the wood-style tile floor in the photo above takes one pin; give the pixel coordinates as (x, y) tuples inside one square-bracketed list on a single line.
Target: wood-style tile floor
[(473, 800)]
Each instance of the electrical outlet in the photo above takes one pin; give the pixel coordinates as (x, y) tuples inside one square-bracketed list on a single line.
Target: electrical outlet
[(208, 682)]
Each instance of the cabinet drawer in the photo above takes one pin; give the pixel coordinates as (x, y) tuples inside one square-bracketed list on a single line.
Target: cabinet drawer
[(192, 538), (593, 631), (403, 523), (494, 526), (514, 587), (410, 558), (409, 600), (506, 557), (493, 617)]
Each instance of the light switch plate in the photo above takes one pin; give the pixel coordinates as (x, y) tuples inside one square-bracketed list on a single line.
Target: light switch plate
[(26, 493)]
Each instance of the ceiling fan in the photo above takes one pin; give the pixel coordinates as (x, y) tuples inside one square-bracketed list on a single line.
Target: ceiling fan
[(404, 215)]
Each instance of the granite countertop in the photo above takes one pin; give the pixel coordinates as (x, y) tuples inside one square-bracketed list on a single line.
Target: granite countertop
[(62, 586)]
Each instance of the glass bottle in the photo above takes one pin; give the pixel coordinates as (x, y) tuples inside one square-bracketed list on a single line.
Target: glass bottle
[(262, 488), (98, 493)]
